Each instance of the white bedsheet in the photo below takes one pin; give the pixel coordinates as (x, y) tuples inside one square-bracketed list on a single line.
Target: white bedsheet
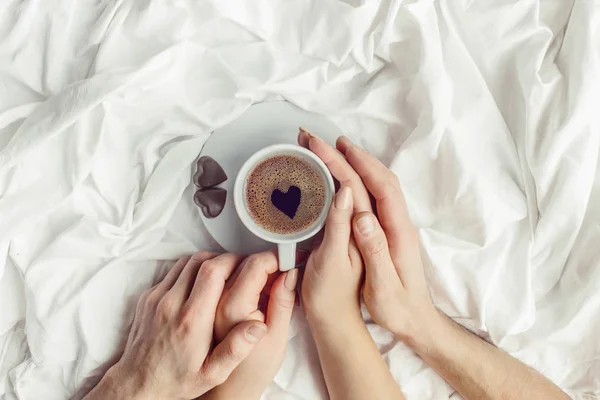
[(486, 110)]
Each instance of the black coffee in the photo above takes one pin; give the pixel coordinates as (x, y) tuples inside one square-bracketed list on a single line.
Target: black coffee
[(285, 194)]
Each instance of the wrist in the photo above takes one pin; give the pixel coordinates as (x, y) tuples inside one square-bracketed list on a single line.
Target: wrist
[(426, 333), (118, 385), (319, 315), (335, 323)]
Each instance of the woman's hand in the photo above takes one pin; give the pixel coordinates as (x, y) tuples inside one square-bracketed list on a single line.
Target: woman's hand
[(352, 365), (256, 291), (169, 352), (395, 290), (332, 277)]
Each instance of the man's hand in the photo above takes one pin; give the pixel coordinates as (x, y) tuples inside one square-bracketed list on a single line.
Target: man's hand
[(169, 352), (256, 291)]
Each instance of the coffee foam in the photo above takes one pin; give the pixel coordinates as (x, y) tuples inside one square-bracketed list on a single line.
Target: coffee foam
[(281, 172)]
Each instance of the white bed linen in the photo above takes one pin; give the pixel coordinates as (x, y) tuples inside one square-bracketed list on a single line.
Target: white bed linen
[(486, 110)]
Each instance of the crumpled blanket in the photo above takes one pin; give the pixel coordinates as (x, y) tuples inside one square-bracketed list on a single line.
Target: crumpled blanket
[(486, 111)]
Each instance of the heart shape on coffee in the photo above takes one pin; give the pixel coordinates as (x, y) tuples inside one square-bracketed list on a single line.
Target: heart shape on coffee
[(287, 202)]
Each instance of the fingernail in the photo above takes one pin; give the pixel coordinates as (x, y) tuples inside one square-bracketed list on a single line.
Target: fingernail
[(291, 279), (343, 197), (307, 132), (255, 333), (353, 146), (347, 139), (312, 136), (301, 256), (366, 224)]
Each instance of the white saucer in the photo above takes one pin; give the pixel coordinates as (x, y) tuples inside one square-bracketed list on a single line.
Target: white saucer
[(262, 125)]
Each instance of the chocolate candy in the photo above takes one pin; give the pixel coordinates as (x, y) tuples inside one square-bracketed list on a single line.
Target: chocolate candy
[(211, 201), (208, 173)]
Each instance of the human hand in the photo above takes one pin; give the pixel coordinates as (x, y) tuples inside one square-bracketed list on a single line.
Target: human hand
[(395, 291), (169, 352), (332, 276), (256, 291)]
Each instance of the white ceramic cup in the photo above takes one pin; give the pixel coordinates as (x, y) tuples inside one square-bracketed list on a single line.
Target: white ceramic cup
[(286, 243)]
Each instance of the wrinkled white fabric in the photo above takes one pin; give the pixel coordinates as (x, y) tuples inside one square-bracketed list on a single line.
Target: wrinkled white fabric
[(486, 111)]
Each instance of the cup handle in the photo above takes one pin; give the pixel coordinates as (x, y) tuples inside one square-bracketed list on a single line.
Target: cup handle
[(287, 256)]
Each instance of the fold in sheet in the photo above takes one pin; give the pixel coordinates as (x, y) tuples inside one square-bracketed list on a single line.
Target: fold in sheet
[(484, 110)]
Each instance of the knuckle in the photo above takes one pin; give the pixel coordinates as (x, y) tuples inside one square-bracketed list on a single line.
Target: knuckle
[(339, 227), (356, 183), (184, 260), (285, 303), (229, 312), (391, 189), (201, 255), (254, 261), (391, 177), (142, 302), (234, 354), (210, 270), (187, 319), (144, 297), (151, 297), (354, 179), (376, 248), (165, 307), (260, 263)]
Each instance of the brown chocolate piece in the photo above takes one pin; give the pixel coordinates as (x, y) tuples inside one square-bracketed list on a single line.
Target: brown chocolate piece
[(208, 173), (211, 201)]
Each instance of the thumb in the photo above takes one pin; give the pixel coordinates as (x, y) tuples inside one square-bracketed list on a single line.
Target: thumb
[(373, 245), (230, 353), (282, 299), (338, 224)]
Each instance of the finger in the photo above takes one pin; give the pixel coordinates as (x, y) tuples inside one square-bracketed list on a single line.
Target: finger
[(342, 171), (208, 287), (233, 278), (228, 354), (338, 225), (343, 143), (301, 257), (182, 287), (373, 246), (270, 280), (391, 207), (379, 180), (257, 315), (171, 277), (303, 137), (281, 304), (245, 292)]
